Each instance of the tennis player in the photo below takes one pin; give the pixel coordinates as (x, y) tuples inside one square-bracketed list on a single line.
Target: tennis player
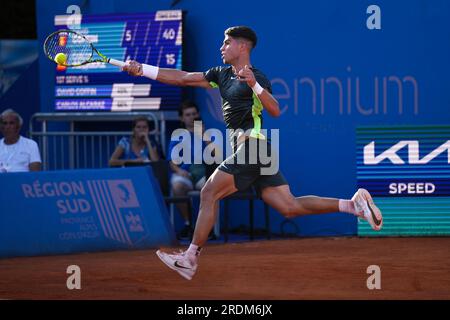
[(245, 92)]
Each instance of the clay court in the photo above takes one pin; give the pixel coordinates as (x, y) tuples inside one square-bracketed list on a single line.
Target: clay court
[(292, 269)]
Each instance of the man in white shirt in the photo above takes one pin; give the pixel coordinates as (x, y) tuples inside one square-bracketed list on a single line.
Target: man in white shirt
[(17, 153)]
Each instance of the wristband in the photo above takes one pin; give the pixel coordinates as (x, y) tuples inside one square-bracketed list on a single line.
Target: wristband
[(257, 89), (149, 71)]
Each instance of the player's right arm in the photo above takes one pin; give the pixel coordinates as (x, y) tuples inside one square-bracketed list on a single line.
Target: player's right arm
[(182, 78), (169, 76)]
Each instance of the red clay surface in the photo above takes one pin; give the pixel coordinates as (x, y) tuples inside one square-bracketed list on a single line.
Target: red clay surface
[(317, 268)]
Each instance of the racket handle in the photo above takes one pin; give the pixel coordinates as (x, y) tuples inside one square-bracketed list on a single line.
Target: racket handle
[(116, 63)]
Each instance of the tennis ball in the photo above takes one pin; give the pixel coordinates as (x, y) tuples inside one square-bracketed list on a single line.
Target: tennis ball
[(61, 58)]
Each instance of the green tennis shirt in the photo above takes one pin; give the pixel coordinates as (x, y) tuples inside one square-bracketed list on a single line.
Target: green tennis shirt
[(241, 108)]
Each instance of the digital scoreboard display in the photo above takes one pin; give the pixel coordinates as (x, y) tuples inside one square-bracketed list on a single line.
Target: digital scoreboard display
[(153, 38)]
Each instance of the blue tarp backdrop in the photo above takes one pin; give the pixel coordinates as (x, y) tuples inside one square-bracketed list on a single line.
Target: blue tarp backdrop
[(81, 210)]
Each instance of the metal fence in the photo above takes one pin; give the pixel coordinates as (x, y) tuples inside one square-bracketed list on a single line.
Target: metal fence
[(63, 146), (70, 150)]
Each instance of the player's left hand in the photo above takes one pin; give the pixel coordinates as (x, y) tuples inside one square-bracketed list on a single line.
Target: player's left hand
[(246, 74)]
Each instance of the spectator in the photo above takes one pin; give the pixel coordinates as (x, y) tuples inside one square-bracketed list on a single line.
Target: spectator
[(136, 149), (1, 126), (186, 176), (17, 153)]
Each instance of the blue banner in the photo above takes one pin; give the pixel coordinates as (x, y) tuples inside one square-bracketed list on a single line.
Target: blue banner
[(407, 171), (81, 210), (333, 65)]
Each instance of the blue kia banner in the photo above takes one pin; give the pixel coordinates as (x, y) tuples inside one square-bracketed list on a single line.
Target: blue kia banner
[(407, 170)]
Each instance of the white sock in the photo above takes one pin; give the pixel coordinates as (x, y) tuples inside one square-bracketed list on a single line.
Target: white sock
[(193, 251), (347, 206)]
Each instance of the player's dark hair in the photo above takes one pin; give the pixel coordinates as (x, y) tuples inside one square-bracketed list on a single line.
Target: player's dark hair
[(187, 104), (139, 119), (242, 32)]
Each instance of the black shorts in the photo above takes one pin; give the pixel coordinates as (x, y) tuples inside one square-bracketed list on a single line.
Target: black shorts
[(251, 164)]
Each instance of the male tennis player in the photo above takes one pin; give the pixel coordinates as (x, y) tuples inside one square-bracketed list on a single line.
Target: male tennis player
[(245, 91)]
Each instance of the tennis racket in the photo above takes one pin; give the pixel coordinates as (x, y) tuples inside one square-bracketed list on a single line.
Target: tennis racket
[(77, 48)]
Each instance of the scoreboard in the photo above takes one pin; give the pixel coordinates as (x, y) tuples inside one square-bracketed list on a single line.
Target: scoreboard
[(153, 38)]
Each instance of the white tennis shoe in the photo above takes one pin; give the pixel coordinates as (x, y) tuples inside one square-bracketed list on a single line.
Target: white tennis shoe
[(367, 210), (180, 262)]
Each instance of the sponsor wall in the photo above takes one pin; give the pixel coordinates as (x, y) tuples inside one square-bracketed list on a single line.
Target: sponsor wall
[(407, 169), (18, 73), (80, 211), (334, 66)]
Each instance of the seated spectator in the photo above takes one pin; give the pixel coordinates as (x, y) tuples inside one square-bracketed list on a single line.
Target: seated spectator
[(186, 176), (17, 153), (136, 149), (1, 126)]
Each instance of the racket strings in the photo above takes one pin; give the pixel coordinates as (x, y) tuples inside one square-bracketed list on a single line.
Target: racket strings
[(76, 48)]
